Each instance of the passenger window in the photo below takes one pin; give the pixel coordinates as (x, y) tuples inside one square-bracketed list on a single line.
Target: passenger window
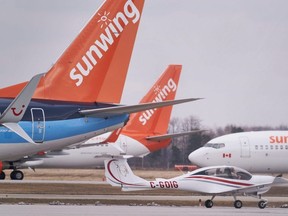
[(286, 147), (271, 147), (276, 147), (256, 147), (261, 147), (215, 145), (266, 147), (281, 147)]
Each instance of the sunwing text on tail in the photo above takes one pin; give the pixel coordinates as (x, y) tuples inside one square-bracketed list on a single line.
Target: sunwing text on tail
[(72, 101)]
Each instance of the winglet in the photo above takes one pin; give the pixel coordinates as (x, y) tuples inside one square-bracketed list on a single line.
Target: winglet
[(112, 138), (15, 111)]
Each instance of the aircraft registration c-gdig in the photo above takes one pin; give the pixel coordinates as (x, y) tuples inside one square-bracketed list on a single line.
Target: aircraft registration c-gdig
[(74, 100), (214, 180)]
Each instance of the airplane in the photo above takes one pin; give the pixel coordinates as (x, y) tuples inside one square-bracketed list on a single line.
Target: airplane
[(78, 98), (145, 132), (257, 152), (214, 180)]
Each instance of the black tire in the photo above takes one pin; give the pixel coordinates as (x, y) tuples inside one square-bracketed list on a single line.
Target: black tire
[(16, 175), (262, 204), (208, 203), (2, 175), (238, 204)]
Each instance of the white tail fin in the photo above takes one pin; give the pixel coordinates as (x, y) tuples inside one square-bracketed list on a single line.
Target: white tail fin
[(118, 173)]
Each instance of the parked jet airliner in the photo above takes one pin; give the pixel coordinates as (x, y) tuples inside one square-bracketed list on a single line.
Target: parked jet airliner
[(144, 133), (258, 152), (75, 100)]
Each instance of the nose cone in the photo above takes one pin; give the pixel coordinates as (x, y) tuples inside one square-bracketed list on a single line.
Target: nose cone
[(199, 157)]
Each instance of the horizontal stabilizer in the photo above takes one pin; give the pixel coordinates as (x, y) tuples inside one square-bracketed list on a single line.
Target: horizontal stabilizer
[(169, 136), (122, 109), (16, 128)]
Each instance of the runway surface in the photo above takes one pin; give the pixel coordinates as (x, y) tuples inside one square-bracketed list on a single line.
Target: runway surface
[(48, 210)]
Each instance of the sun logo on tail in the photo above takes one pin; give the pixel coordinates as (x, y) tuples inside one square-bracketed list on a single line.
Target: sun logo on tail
[(104, 19), (157, 89)]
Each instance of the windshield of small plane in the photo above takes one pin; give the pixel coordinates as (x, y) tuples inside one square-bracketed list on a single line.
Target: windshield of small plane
[(215, 145), (226, 172)]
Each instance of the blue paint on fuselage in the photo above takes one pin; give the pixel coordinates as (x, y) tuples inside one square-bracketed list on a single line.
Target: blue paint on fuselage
[(62, 120), (55, 110)]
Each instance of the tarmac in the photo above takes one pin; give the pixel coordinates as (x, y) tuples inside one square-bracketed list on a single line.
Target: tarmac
[(72, 210), (19, 202)]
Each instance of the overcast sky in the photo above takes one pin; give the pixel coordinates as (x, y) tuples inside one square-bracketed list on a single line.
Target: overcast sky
[(234, 52)]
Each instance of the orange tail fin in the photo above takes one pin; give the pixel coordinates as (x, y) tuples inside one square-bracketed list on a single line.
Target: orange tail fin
[(155, 121), (94, 67)]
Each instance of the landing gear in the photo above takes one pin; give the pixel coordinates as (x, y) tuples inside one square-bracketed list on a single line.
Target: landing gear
[(208, 203), (262, 204), (16, 175), (238, 204), (2, 175)]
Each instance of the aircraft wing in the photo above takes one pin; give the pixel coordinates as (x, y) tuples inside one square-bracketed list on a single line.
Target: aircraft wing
[(173, 135), (122, 109), (278, 181)]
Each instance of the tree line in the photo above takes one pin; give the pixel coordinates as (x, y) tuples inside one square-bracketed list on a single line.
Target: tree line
[(179, 149)]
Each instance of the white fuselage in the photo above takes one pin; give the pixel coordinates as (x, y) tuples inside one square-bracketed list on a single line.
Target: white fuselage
[(258, 152), (88, 157)]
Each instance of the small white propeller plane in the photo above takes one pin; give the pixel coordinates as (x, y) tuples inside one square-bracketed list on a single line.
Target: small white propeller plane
[(214, 180)]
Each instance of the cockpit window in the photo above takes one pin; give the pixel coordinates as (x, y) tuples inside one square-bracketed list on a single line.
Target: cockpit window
[(226, 172), (215, 145)]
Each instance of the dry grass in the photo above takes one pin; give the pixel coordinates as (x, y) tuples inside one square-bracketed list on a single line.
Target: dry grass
[(100, 189), (88, 174)]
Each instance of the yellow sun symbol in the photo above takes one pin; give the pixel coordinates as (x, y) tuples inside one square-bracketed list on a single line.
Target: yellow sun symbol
[(157, 89), (104, 19)]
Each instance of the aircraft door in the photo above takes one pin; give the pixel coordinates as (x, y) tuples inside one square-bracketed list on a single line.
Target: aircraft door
[(38, 124), (245, 147)]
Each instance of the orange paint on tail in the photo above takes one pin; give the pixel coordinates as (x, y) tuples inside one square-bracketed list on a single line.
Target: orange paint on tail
[(94, 67), (113, 136), (156, 121)]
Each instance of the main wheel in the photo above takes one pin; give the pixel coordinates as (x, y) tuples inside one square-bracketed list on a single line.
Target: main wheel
[(238, 204), (16, 175), (262, 204), (209, 203), (2, 175)]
